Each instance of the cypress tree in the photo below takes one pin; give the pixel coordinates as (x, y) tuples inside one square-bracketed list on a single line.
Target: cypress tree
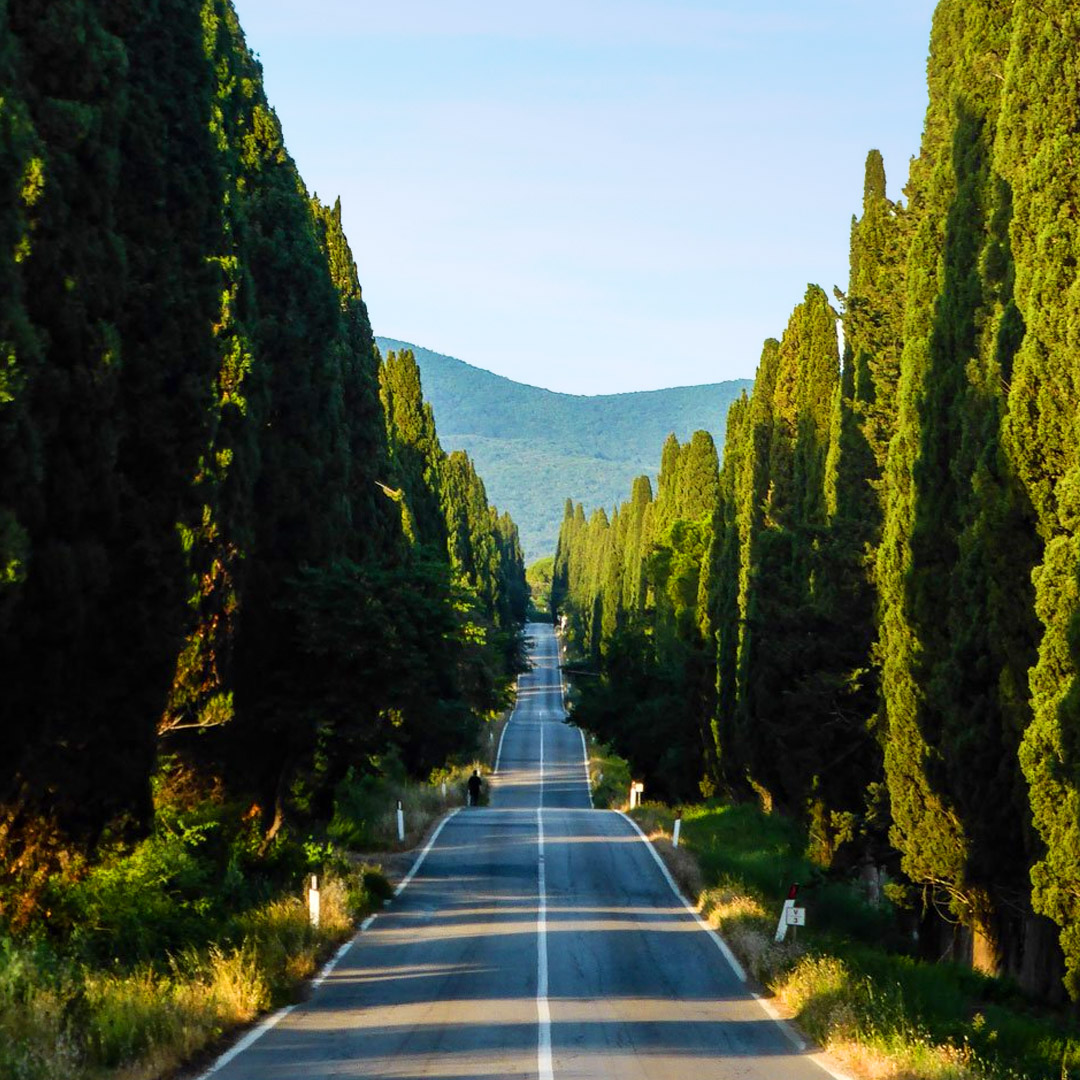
[(957, 635), (195, 531), (108, 331), (1038, 133), (723, 577), (634, 514), (415, 453), (784, 715)]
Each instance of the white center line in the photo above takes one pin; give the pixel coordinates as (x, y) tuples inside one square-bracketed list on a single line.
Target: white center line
[(544, 1067), (541, 775)]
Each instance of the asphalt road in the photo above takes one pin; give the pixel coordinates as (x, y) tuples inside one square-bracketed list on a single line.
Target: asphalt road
[(538, 939)]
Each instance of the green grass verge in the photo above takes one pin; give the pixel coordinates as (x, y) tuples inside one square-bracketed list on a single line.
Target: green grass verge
[(61, 1016), (609, 776), (847, 981)]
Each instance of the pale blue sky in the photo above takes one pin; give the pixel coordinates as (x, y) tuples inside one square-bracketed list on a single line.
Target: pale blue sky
[(594, 195)]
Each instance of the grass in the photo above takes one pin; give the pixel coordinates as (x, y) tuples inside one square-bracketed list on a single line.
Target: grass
[(609, 776), (63, 1018), (153, 955), (881, 1014), (365, 816)]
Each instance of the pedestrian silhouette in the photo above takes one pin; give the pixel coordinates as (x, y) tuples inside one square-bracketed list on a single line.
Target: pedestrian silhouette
[(474, 788)]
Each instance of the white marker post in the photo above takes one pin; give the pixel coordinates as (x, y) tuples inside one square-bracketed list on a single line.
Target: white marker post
[(675, 832), (400, 823), (444, 789), (313, 901), (789, 906), (637, 789)]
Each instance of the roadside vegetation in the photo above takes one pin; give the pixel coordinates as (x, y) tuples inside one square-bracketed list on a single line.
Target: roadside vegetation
[(247, 599), (151, 956), (861, 609), (609, 776), (538, 578), (850, 980)]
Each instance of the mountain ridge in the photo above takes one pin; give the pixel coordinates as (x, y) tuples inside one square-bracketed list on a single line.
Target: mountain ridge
[(535, 447)]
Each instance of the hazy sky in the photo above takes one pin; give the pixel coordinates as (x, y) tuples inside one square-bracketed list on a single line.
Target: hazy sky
[(594, 195)]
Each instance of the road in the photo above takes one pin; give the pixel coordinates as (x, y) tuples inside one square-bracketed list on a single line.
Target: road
[(538, 939)]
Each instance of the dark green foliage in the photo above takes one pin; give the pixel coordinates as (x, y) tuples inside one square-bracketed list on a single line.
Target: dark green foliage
[(887, 587), (208, 518), (538, 576), (959, 634), (112, 385), (1036, 154), (633, 590)]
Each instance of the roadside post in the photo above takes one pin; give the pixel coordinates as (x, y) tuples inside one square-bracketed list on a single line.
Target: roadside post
[(675, 832), (637, 789), (313, 901), (444, 789), (400, 823), (789, 906)]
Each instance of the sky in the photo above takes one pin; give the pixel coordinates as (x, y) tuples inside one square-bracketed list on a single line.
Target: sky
[(594, 196)]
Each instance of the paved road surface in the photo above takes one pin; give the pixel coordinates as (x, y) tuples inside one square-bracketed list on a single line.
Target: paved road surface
[(539, 939)]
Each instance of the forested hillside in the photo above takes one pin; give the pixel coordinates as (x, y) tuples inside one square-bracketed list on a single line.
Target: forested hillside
[(232, 549), (866, 613), (528, 442)]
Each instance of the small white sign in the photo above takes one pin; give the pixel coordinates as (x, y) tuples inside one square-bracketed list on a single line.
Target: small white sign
[(796, 916)]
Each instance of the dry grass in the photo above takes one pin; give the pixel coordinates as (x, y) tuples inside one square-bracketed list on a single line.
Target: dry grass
[(81, 1024), (867, 1035)]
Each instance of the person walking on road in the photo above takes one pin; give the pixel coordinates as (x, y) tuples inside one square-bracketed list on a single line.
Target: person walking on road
[(475, 784)]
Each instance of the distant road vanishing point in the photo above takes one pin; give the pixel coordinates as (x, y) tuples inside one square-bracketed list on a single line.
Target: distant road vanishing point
[(539, 938)]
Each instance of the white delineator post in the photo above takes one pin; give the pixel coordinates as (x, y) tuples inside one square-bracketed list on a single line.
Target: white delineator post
[(313, 901), (789, 905), (444, 789), (637, 789), (675, 832), (400, 822)]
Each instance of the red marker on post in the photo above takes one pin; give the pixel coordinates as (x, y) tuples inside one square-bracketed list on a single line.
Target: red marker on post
[(789, 906)]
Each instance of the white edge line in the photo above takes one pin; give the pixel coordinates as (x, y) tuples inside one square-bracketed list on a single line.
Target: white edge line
[(423, 854), (271, 1021), (247, 1040), (792, 1035), (498, 753), (585, 760), (720, 943), (333, 961)]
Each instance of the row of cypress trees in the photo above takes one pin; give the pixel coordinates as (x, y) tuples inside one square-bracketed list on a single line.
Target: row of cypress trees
[(874, 623), (228, 532)]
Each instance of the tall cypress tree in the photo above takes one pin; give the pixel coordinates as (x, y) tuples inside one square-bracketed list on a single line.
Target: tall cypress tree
[(784, 715), (1037, 135), (113, 359), (723, 582), (957, 554)]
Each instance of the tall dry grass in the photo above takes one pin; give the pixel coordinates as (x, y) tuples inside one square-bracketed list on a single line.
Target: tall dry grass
[(879, 1015), (63, 1021)]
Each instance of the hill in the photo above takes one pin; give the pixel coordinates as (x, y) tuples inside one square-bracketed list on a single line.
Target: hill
[(535, 447)]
